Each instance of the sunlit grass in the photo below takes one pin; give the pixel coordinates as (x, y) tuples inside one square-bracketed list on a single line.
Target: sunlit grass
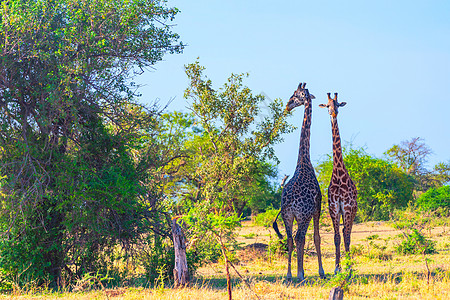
[(395, 286), (378, 272)]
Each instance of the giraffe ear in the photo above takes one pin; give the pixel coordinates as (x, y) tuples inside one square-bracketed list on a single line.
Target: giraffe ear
[(322, 105), (312, 96), (342, 104)]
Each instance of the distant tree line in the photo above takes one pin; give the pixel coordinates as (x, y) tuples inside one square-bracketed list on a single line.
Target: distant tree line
[(394, 182)]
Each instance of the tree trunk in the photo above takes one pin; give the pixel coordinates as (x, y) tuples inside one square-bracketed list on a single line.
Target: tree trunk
[(227, 271), (180, 271), (336, 293)]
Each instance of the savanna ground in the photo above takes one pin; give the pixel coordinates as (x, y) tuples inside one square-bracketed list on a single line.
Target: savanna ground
[(378, 271)]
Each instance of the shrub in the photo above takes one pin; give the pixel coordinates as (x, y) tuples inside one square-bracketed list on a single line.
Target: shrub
[(158, 259), (277, 247), (343, 278), (416, 243), (266, 219), (434, 199), (356, 250)]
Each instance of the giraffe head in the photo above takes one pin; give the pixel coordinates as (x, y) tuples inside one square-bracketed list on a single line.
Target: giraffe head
[(300, 96), (333, 105)]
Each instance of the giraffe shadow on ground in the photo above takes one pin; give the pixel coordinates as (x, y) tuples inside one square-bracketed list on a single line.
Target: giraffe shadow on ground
[(221, 283), (395, 278)]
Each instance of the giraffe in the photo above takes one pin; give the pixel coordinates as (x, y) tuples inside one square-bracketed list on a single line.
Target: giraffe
[(342, 191), (301, 197)]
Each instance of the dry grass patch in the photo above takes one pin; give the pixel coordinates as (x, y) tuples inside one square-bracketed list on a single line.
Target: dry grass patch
[(375, 277)]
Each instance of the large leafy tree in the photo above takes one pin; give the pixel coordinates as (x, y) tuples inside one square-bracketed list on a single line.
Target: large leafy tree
[(382, 186), (231, 151), (74, 188), (228, 155)]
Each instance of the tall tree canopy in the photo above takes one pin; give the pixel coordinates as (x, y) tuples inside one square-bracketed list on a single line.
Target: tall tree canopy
[(73, 187), (233, 147), (411, 155)]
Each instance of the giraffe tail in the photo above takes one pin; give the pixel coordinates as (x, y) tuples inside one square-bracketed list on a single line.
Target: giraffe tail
[(275, 227)]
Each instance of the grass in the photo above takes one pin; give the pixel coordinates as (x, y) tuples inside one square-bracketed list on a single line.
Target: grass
[(378, 271)]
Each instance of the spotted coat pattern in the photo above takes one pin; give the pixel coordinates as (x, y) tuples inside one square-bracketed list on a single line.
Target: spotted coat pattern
[(342, 191), (301, 197)]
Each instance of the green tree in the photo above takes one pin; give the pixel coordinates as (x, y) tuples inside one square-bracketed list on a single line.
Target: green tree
[(381, 185), (182, 135), (229, 154), (74, 189), (412, 156), (232, 148), (441, 173), (266, 193)]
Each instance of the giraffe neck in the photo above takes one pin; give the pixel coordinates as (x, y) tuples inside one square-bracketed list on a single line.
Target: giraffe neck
[(338, 161), (303, 155)]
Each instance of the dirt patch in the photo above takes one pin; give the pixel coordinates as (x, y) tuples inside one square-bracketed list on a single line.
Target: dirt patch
[(253, 251), (257, 247)]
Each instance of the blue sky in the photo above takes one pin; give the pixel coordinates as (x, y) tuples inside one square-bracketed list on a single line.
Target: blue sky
[(389, 60)]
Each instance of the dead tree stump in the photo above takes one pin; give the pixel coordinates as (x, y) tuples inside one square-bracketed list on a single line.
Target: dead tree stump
[(180, 271), (336, 293)]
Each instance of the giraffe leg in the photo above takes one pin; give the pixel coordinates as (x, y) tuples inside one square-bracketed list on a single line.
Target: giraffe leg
[(288, 223), (290, 243), (348, 223), (300, 242), (348, 217), (335, 217), (316, 218), (347, 231)]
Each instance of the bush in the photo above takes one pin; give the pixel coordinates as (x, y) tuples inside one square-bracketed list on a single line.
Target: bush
[(356, 250), (434, 199), (208, 250), (266, 219), (343, 277), (277, 247), (158, 259), (416, 243), (21, 264)]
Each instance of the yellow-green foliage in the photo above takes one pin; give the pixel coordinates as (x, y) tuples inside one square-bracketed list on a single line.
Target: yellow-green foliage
[(266, 219)]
